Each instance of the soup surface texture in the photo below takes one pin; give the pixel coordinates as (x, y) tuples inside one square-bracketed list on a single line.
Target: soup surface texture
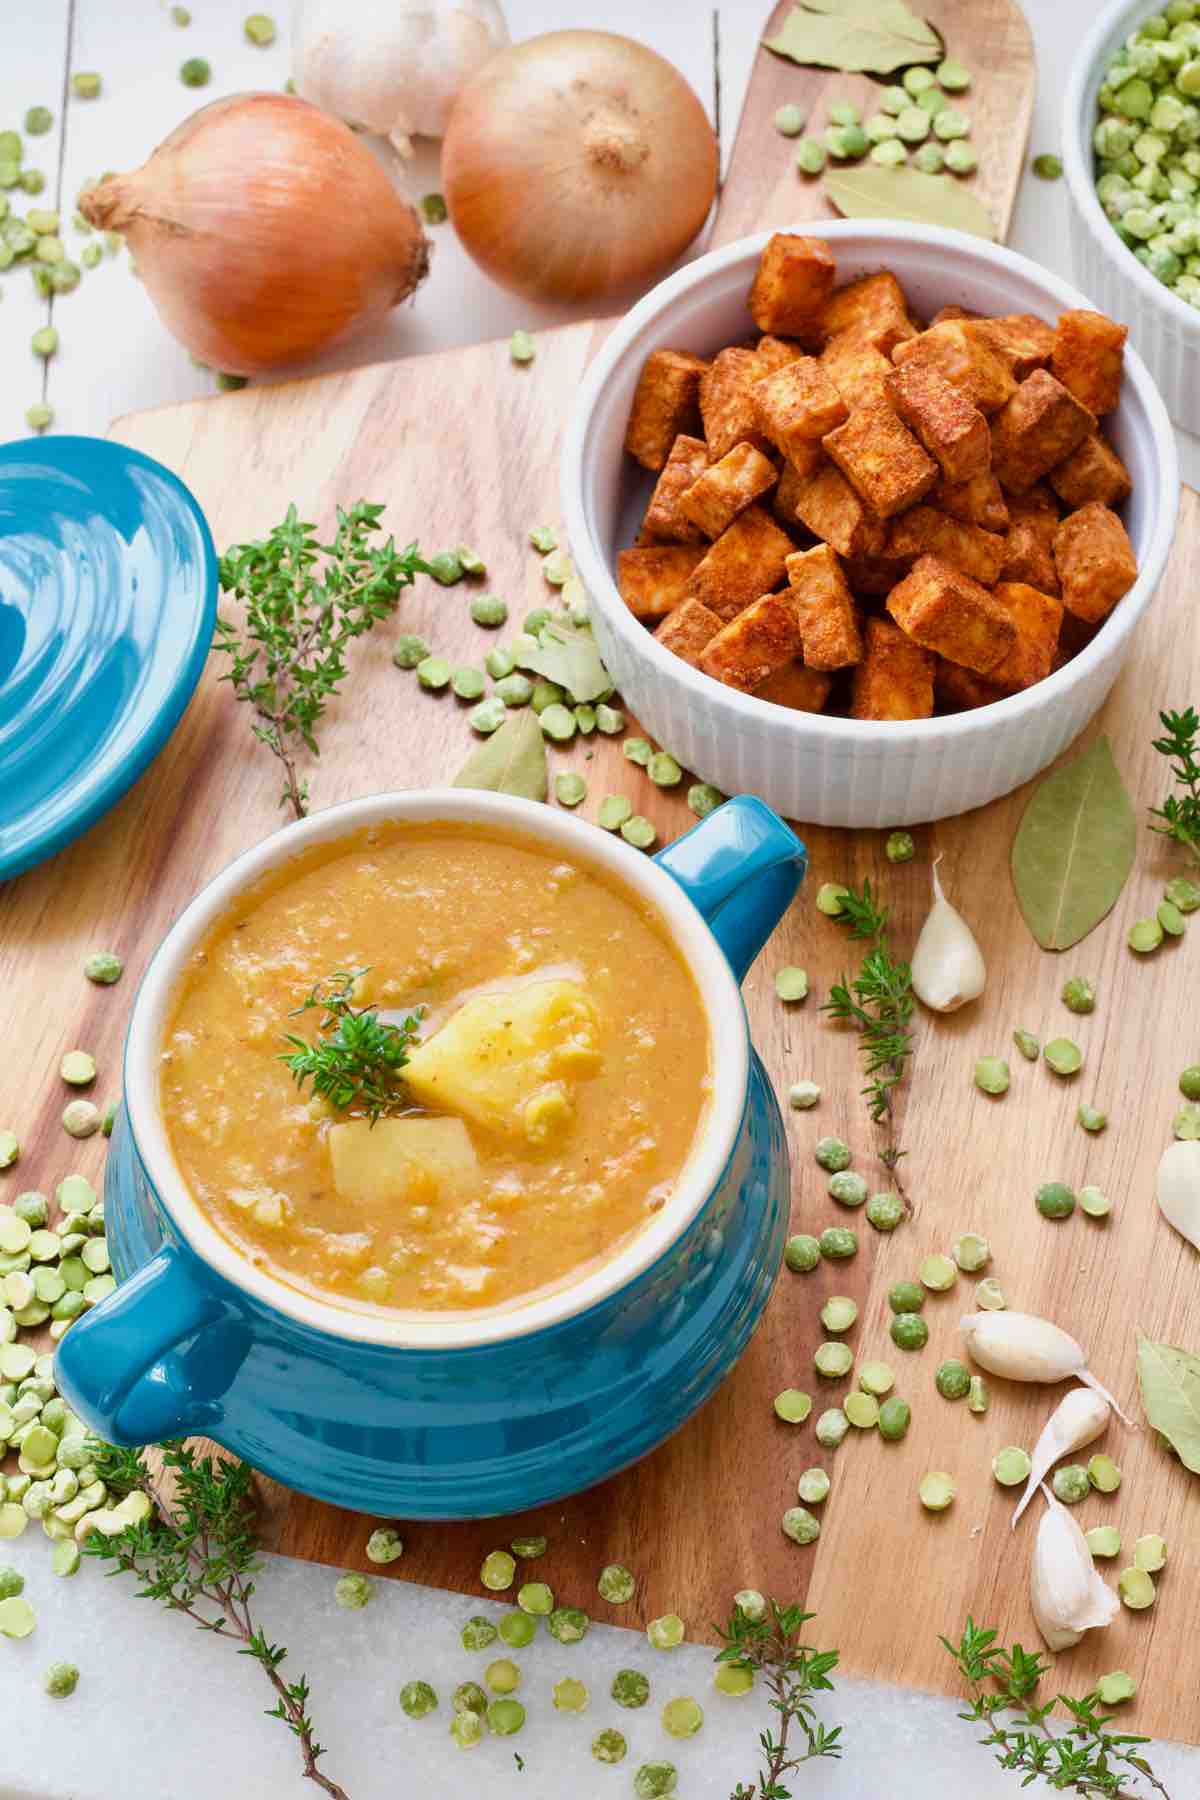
[(562, 1073)]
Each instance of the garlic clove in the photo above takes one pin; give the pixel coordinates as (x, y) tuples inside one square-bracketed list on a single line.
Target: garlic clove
[(1178, 1188), (1078, 1419), (947, 965), (1067, 1593), (1024, 1348)]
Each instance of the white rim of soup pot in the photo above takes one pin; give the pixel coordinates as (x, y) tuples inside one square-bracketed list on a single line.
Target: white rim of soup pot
[(1079, 112), (638, 334), (720, 996)]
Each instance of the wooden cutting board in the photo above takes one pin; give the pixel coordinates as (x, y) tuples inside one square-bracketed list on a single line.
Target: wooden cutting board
[(464, 447)]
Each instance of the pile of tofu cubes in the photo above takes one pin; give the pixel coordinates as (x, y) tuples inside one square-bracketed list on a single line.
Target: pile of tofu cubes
[(855, 513)]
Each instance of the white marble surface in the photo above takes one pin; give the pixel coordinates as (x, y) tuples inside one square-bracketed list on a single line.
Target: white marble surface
[(166, 1713), (162, 1711)]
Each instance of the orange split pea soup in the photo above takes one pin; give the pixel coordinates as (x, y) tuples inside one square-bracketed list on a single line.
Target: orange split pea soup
[(561, 1078)]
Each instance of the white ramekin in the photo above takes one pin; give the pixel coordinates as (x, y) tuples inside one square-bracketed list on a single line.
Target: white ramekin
[(834, 771), (1165, 330)]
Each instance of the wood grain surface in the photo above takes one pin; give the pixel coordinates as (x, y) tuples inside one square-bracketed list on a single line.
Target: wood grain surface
[(464, 449), (991, 37)]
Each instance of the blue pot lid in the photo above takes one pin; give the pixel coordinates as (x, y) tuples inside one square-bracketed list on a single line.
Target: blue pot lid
[(108, 598)]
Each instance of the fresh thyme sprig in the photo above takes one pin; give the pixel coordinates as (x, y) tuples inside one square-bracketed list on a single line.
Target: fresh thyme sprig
[(304, 602), (1086, 1758), (879, 1002), (792, 1672), (197, 1554), (1180, 814), (356, 1061)]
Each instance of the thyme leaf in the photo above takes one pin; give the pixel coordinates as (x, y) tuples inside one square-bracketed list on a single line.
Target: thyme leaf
[(878, 1002), (792, 1673), (303, 603), (1180, 813), (356, 1060), (1086, 1758)]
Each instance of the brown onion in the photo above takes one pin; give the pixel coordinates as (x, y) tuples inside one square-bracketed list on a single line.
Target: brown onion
[(263, 231), (576, 162)]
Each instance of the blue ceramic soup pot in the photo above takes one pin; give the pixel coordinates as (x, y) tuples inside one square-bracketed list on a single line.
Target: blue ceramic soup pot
[(465, 1414)]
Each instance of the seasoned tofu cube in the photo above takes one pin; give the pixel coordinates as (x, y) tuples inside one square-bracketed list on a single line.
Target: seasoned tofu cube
[(828, 506), (894, 680), (923, 531), (792, 477), (793, 281), (762, 638), (943, 609), (1088, 358), (1093, 472), (825, 608), (856, 368), (747, 560), (1037, 428), (394, 1161), (874, 309), (954, 432), (688, 629), (965, 360), (653, 580), (1095, 561), (977, 502), (510, 1062), (947, 313), (798, 688), (1038, 620), (727, 405), (775, 352), (665, 402), (882, 459), (664, 523), (727, 488), (798, 405), (960, 690), (1022, 339), (1029, 541)]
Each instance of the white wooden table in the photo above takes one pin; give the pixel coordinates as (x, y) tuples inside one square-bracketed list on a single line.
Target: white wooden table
[(151, 1690), (115, 355)]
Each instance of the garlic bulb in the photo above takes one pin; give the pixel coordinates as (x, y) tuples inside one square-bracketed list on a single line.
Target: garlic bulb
[(1179, 1188), (395, 66), (1068, 1595), (1079, 1417), (1024, 1348), (947, 964)]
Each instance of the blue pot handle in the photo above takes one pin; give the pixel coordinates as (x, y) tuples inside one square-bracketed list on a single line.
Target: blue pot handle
[(120, 1367), (740, 868)]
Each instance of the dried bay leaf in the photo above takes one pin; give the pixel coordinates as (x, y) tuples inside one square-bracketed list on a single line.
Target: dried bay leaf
[(858, 37), (1074, 848), (568, 655), (511, 761), (1170, 1384), (869, 191)]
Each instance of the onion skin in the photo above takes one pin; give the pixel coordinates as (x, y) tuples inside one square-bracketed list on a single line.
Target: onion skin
[(575, 163), (264, 231)]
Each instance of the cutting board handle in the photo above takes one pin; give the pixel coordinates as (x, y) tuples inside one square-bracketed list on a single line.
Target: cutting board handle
[(740, 868)]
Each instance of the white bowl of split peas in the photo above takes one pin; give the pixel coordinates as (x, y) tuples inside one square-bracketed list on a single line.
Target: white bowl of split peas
[(1151, 125)]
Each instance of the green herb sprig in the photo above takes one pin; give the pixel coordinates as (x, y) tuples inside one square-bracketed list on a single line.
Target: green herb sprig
[(1085, 1758), (1180, 813), (879, 1002), (792, 1673), (356, 1061), (197, 1554), (304, 602)]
